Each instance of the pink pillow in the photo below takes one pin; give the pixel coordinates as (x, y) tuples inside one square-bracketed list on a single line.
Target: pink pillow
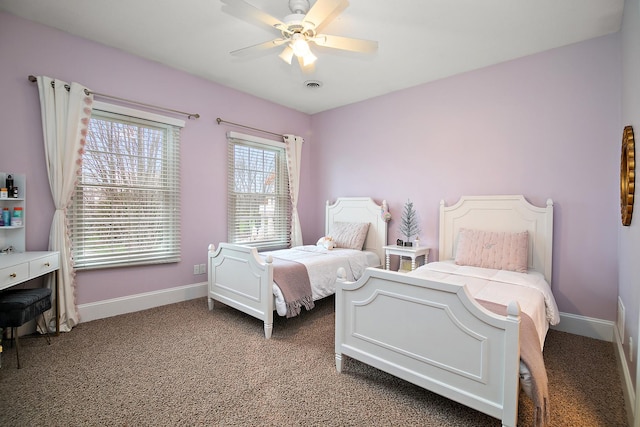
[(493, 249), (349, 235)]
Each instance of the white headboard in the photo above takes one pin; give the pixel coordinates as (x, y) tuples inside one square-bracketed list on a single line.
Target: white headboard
[(360, 209), (500, 213)]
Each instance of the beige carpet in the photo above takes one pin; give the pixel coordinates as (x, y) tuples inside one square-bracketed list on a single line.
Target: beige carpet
[(183, 365)]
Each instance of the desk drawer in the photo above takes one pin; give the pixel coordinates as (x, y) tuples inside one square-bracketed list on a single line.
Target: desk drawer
[(13, 275), (44, 265)]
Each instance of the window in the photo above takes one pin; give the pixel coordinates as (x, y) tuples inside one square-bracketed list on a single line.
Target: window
[(259, 205), (126, 207)]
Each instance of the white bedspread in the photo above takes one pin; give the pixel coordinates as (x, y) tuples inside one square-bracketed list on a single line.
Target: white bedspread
[(531, 290), (322, 265)]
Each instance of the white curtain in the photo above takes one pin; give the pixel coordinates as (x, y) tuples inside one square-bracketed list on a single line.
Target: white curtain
[(293, 148), (66, 111)]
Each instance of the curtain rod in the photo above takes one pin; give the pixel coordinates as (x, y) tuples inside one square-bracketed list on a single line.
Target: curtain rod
[(102, 95), (219, 120)]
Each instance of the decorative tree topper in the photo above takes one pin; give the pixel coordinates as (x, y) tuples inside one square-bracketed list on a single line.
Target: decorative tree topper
[(409, 222)]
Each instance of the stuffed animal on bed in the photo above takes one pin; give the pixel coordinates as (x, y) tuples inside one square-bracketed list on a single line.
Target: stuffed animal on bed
[(326, 242)]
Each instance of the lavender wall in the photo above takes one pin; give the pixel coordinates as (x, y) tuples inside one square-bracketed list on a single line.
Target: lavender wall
[(545, 126), (629, 237), (28, 48)]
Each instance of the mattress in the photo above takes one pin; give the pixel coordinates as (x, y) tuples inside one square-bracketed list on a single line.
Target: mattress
[(322, 265), (530, 289)]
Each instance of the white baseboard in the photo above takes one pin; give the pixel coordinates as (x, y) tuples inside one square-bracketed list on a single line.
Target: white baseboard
[(571, 323), (138, 302), (627, 385), (586, 326)]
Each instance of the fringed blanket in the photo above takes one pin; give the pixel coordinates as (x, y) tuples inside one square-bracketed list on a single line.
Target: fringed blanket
[(531, 356), (293, 280)]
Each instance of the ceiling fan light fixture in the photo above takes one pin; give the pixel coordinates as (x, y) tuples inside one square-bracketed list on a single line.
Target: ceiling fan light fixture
[(300, 46), (308, 59), (287, 54)]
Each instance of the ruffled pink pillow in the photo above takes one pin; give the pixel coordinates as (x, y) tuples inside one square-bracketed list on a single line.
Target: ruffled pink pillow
[(493, 249)]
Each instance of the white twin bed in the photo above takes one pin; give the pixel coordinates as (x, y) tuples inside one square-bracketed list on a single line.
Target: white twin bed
[(242, 278), (439, 327)]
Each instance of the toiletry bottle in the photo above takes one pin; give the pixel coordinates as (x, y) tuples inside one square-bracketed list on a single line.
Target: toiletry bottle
[(16, 219), (6, 217), (9, 182)]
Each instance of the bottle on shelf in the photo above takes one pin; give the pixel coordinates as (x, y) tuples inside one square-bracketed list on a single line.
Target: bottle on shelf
[(6, 217), (16, 219), (9, 184)]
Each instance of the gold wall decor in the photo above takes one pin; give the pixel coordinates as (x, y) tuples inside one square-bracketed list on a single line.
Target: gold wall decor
[(627, 175)]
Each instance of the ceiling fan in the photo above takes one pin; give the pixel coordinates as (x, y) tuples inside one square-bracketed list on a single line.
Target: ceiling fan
[(299, 29)]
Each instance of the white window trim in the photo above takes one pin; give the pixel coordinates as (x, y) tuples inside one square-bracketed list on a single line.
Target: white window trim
[(255, 139), (135, 114), (138, 114), (263, 141)]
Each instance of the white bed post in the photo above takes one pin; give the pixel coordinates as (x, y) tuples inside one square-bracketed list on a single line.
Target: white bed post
[(268, 294), (342, 278), (512, 368), (548, 261)]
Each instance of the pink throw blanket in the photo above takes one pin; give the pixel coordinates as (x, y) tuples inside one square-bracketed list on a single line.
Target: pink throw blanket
[(293, 280), (531, 356)]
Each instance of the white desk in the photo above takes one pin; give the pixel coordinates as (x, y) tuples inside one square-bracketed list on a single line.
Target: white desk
[(16, 268)]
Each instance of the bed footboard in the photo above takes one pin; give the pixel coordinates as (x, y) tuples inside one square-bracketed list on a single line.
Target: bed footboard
[(434, 335), (240, 278)]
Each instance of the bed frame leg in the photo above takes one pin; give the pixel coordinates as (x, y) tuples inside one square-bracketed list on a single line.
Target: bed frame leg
[(210, 302), (339, 362), (268, 328)]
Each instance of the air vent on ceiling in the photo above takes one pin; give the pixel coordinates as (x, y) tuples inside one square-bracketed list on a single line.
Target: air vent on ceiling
[(313, 84)]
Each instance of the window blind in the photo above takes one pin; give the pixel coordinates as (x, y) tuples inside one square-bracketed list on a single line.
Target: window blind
[(126, 207), (259, 205)]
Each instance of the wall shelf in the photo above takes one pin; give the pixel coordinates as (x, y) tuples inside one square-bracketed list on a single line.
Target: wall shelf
[(13, 236)]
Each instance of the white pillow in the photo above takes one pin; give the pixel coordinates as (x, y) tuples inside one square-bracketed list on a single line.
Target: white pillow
[(349, 235)]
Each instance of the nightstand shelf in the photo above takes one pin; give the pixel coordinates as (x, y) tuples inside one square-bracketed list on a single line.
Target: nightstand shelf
[(406, 251)]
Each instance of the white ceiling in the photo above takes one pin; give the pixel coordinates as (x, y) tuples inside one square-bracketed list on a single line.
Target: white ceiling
[(419, 40)]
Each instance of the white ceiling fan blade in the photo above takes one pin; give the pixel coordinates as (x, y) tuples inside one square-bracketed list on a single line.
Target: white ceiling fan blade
[(322, 10), (243, 10), (250, 50), (346, 43)]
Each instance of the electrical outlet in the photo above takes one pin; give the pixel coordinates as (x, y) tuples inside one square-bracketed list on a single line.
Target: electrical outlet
[(196, 269), (203, 268)]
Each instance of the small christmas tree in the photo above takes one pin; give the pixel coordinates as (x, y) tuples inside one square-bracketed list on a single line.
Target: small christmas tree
[(409, 222)]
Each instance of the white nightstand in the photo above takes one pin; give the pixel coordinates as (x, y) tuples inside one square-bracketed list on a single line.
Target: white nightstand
[(406, 251)]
